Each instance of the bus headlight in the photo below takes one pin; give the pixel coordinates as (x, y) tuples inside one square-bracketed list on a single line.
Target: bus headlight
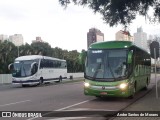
[(123, 86), (86, 84)]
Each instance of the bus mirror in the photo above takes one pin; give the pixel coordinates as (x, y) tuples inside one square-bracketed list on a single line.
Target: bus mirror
[(130, 53), (82, 57), (10, 66), (34, 68)]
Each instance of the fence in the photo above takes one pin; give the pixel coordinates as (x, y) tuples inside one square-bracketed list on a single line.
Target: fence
[(7, 78)]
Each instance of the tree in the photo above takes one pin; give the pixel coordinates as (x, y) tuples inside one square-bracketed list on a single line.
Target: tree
[(74, 61), (57, 52), (40, 48), (119, 11), (25, 49), (7, 55)]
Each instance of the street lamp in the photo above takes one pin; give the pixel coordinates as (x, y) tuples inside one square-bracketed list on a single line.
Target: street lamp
[(18, 50)]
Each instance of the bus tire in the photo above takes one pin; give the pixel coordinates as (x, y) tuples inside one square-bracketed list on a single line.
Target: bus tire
[(41, 81), (134, 91), (99, 97), (60, 78), (146, 85), (24, 85)]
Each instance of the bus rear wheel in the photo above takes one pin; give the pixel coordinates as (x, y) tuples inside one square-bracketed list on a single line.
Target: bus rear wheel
[(60, 78), (146, 85)]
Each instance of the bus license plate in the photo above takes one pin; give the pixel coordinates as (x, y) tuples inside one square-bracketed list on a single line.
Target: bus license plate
[(103, 93)]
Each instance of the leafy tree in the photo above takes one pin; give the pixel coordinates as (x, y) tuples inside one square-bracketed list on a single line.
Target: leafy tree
[(25, 49), (8, 52), (57, 52), (82, 58), (119, 11), (72, 61), (65, 54), (41, 48)]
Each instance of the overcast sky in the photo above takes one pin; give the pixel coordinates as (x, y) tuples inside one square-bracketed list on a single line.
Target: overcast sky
[(64, 28)]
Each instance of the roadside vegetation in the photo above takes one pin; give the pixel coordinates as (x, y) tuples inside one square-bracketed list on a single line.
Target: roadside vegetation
[(8, 52)]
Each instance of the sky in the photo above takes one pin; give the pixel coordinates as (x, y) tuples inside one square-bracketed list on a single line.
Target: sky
[(63, 28)]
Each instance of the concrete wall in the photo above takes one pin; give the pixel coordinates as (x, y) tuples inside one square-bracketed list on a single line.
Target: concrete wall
[(7, 78), (75, 75)]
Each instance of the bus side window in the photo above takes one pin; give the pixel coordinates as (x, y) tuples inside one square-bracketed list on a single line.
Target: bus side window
[(63, 65), (59, 64), (51, 63), (56, 64), (44, 63), (41, 64)]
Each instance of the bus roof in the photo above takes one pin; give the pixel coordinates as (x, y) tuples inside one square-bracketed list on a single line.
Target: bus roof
[(111, 44), (33, 57), (114, 44)]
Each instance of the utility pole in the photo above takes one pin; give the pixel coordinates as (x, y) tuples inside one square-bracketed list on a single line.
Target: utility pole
[(18, 51)]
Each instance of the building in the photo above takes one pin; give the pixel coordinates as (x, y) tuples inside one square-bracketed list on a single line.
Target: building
[(3, 37), (140, 39), (94, 35), (38, 39), (16, 39), (123, 36)]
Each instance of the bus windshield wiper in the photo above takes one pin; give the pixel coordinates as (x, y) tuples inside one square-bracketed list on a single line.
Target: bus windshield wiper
[(96, 71), (111, 71)]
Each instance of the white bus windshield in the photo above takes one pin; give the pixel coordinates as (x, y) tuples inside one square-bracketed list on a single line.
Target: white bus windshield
[(23, 68), (106, 64)]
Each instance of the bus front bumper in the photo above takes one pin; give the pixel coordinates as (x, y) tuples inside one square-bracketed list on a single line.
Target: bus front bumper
[(25, 82), (113, 91)]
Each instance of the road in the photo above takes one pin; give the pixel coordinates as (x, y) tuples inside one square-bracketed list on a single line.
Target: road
[(61, 97)]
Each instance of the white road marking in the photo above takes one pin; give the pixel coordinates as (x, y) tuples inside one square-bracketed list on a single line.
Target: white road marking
[(72, 105), (62, 108), (14, 103), (89, 109)]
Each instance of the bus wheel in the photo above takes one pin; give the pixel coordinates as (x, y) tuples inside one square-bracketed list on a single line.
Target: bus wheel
[(99, 97), (41, 81), (24, 85), (146, 85), (60, 78), (134, 91)]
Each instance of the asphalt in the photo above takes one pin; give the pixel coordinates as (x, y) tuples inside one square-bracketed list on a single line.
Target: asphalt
[(148, 105)]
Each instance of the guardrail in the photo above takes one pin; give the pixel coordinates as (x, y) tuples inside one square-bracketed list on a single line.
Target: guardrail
[(7, 78)]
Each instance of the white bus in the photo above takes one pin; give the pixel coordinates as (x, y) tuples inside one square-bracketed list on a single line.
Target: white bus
[(37, 69)]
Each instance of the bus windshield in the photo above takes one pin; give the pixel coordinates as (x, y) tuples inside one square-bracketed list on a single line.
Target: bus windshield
[(22, 68), (107, 65)]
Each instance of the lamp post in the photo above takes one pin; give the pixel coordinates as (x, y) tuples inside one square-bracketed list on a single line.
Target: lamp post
[(18, 51)]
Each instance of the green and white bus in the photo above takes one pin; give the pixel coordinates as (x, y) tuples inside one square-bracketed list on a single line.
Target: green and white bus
[(116, 69)]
